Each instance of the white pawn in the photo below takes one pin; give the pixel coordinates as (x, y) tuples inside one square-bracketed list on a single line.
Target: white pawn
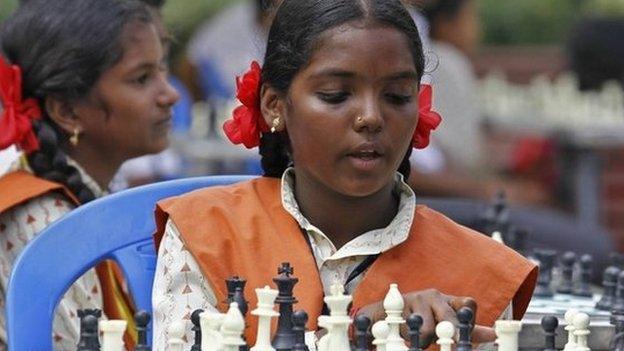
[(112, 334), (380, 331), (581, 331), (445, 332), (176, 332), (393, 304), (569, 317), (265, 311), (232, 328), (210, 323), (507, 333)]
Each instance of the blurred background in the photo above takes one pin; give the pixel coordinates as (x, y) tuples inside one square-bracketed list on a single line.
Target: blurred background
[(530, 91)]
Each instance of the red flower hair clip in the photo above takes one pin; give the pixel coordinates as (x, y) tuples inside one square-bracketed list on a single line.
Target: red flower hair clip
[(16, 116), (247, 123), (428, 120)]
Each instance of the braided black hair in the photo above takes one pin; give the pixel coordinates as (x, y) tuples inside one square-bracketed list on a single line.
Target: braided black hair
[(295, 29), (62, 48)]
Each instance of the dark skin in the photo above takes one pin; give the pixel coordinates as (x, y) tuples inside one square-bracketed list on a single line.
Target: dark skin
[(350, 120), (127, 113)]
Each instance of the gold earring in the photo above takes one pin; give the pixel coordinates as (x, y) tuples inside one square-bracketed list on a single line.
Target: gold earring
[(359, 119), (274, 124), (75, 137)]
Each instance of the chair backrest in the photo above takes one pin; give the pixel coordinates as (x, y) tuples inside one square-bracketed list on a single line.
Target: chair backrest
[(117, 227)]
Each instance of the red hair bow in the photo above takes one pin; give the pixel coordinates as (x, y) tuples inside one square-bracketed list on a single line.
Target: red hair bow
[(428, 120), (17, 115), (247, 123)]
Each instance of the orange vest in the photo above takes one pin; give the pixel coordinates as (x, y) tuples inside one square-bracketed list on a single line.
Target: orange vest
[(19, 187), (243, 230)]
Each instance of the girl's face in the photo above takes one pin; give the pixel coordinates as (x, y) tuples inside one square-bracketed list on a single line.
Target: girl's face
[(128, 112), (352, 111)]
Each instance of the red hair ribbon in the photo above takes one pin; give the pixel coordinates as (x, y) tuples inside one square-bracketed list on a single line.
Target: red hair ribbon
[(16, 116), (247, 123)]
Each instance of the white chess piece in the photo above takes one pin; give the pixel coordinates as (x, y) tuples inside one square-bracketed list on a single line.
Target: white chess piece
[(393, 304), (176, 332), (569, 317), (507, 333), (445, 332), (338, 322), (210, 323), (581, 331), (112, 334), (232, 328), (380, 331), (265, 311)]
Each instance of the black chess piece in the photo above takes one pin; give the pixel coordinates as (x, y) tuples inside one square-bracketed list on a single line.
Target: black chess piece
[(617, 342), (566, 263), (464, 316), (232, 283), (239, 298), (609, 284), (361, 323), (583, 289), (299, 320), (618, 303), (196, 329), (284, 338), (496, 215), (546, 259), (414, 323), (549, 325), (89, 335), (142, 319)]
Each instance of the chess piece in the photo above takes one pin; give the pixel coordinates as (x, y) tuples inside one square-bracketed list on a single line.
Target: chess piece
[(414, 323), (210, 328), (583, 289), (337, 323), (264, 311), (549, 325), (581, 331), (498, 237), (284, 338), (239, 298), (232, 328), (232, 283), (380, 331), (445, 332), (569, 318), (393, 304), (546, 260), (176, 332), (496, 216), (142, 319), (609, 284), (196, 330), (617, 260), (618, 303), (361, 323), (112, 334), (300, 318), (507, 334), (617, 342), (464, 316), (89, 338), (566, 264)]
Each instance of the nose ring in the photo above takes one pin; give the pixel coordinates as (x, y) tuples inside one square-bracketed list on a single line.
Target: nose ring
[(359, 119)]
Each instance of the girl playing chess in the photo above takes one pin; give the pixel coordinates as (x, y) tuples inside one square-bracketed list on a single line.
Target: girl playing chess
[(82, 89), (335, 110)]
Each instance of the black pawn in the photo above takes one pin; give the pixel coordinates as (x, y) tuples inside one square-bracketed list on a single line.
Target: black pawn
[(361, 323), (89, 336), (618, 304), (567, 270), (239, 298), (142, 319), (197, 329), (414, 323), (496, 216), (609, 284), (284, 338), (583, 289), (299, 320), (546, 259), (464, 316), (550, 324)]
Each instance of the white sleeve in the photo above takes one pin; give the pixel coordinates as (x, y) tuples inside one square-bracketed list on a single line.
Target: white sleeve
[(179, 288)]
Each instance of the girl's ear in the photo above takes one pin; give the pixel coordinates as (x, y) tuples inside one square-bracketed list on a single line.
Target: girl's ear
[(273, 107), (62, 113)]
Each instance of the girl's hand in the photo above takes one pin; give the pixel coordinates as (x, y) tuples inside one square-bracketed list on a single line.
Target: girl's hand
[(433, 307)]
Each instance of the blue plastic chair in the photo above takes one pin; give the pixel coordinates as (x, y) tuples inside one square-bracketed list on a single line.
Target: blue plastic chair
[(117, 227)]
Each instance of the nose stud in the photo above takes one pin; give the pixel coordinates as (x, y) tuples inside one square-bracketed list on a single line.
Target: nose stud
[(359, 119)]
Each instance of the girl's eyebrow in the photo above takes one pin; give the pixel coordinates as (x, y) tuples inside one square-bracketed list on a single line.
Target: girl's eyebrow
[(339, 73), (409, 75)]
